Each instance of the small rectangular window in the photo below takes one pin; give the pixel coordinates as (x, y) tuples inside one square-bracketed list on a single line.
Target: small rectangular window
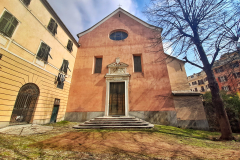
[(98, 65), (64, 66), (8, 24), (43, 52), (69, 45), (137, 64), (26, 2), (52, 26)]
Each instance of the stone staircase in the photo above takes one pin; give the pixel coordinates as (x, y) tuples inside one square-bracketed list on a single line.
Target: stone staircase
[(114, 122)]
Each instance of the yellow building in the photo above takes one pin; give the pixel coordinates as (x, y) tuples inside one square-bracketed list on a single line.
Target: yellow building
[(37, 55), (198, 82)]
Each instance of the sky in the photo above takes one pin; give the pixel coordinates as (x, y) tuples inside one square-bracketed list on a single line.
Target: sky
[(79, 15)]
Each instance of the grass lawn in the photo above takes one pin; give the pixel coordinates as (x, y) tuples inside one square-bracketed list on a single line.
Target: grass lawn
[(162, 142)]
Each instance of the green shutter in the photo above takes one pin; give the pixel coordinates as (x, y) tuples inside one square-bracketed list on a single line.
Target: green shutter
[(64, 66), (12, 26), (51, 26), (46, 53), (69, 46), (55, 28), (41, 51), (6, 23)]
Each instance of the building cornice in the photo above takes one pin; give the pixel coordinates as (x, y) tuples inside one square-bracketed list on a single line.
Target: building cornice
[(55, 16)]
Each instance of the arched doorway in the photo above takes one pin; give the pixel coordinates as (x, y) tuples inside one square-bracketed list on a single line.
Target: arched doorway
[(25, 104)]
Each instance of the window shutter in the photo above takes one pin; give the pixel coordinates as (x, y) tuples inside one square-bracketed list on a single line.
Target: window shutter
[(55, 28), (219, 79), (12, 25), (98, 65), (64, 66), (46, 53), (51, 25), (41, 51), (69, 45), (137, 64), (5, 21), (26, 2)]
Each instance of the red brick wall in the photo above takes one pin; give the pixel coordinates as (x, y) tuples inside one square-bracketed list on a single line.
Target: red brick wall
[(148, 91)]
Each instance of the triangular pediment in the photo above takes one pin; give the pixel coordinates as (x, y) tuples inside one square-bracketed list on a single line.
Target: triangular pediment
[(112, 14)]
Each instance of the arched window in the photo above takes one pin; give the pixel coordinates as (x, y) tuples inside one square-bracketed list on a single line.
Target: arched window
[(25, 103), (118, 35)]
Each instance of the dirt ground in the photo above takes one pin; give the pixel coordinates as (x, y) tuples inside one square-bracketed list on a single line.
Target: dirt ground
[(148, 144), (162, 142)]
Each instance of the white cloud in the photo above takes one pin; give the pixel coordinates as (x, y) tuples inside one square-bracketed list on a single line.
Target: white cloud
[(79, 15)]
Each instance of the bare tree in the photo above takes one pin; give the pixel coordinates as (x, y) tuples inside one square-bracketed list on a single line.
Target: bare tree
[(198, 28)]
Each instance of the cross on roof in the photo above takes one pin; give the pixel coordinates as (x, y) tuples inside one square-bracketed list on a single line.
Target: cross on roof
[(119, 5)]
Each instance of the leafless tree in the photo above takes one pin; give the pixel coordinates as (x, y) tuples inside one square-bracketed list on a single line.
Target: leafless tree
[(198, 28)]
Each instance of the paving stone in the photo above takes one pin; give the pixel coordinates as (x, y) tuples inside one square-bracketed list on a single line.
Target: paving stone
[(26, 129)]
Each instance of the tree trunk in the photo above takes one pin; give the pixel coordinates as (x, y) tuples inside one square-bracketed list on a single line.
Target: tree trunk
[(219, 107)]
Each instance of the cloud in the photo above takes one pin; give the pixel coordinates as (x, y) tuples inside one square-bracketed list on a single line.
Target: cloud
[(79, 15)]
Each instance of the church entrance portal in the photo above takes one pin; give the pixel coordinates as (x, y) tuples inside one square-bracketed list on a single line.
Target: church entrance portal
[(117, 98)]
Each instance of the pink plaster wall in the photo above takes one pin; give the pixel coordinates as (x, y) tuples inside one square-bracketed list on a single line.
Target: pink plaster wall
[(148, 91)]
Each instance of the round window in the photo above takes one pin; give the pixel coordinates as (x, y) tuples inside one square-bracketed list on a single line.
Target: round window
[(118, 35)]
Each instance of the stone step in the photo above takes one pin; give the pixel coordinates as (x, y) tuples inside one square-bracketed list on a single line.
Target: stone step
[(114, 120), (105, 118), (108, 127), (115, 124), (103, 122)]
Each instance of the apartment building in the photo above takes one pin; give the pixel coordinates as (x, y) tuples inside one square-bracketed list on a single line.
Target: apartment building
[(37, 56), (227, 72), (198, 82)]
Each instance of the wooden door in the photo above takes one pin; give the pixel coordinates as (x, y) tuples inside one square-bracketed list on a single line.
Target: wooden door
[(54, 114), (117, 98)]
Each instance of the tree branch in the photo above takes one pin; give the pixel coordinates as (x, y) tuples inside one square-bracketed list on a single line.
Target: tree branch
[(186, 60)]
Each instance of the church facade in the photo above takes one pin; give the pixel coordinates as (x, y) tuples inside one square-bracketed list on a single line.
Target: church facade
[(118, 72)]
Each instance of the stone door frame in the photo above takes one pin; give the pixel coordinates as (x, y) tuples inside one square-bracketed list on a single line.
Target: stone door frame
[(116, 79)]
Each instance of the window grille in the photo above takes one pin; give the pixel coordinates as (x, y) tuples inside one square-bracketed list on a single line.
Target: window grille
[(69, 45), (194, 83), (98, 65), (8, 24), (118, 35), (26, 2), (43, 52), (52, 26), (196, 89), (137, 64), (60, 80), (64, 66)]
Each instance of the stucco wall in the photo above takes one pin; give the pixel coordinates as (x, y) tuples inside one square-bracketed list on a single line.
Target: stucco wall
[(148, 91), (190, 112), (19, 65), (177, 74)]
